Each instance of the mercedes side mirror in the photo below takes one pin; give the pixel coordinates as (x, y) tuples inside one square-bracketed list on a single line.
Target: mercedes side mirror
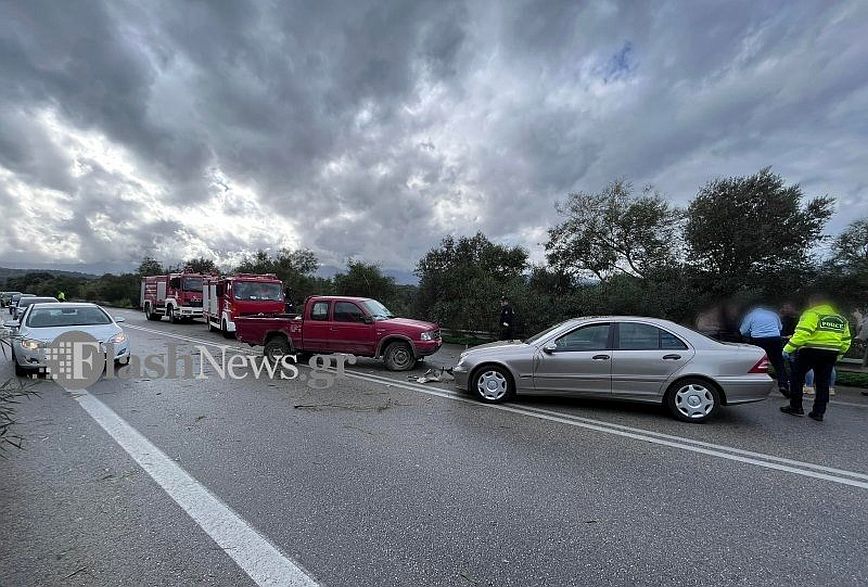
[(12, 324), (550, 348), (119, 319)]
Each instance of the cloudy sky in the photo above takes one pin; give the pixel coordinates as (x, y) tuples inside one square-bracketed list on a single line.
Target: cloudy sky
[(371, 129)]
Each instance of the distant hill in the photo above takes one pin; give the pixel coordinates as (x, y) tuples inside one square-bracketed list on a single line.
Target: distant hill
[(7, 272), (401, 277)]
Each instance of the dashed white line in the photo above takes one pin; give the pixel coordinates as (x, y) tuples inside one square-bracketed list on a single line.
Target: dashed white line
[(260, 559)]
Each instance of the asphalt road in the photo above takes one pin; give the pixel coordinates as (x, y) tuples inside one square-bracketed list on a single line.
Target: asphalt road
[(379, 481)]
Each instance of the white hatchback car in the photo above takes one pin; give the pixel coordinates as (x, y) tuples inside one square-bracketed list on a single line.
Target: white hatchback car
[(42, 323)]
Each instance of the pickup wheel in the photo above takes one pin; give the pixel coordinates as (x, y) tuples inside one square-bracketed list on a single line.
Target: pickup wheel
[(399, 357), (276, 348)]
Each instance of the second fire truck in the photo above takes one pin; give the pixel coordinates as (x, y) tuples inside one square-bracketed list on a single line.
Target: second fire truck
[(245, 294), (175, 295)]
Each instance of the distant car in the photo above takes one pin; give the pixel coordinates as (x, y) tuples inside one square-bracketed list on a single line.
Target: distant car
[(631, 358), (41, 323), (6, 297), (24, 302), (16, 297)]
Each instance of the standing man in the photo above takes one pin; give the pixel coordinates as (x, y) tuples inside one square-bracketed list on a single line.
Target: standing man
[(61, 297), (507, 319), (762, 327), (821, 337)]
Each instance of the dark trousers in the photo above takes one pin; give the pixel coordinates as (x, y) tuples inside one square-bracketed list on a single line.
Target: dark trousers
[(822, 362), (774, 348), (505, 332)]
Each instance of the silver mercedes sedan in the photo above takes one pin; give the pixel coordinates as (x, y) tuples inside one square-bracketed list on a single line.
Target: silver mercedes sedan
[(631, 358)]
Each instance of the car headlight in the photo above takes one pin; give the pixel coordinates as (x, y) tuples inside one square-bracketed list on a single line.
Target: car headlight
[(428, 335), (461, 359), (30, 344), (118, 338)]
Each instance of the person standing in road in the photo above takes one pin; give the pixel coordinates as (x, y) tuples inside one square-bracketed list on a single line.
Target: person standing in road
[(789, 319), (507, 319), (762, 327), (821, 337), (61, 297)]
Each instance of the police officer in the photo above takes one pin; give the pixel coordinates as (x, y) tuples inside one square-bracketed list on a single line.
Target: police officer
[(820, 338), (61, 297), (507, 318)]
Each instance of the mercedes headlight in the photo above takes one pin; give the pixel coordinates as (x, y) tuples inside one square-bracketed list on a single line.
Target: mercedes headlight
[(118, 338)]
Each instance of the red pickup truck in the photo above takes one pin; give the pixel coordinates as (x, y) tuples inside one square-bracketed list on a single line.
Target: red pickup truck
[(338, 324)]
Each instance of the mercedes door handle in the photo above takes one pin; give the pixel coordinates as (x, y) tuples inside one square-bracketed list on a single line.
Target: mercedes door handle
[(671, 357), (600, 357)]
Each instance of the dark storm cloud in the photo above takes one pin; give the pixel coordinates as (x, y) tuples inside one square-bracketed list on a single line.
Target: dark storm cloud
[(370, 129)]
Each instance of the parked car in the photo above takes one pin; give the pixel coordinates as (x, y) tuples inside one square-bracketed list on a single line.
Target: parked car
[(16, 298), (640, 359), (328, 324), (6, 297), (25, 302), (41, 323)]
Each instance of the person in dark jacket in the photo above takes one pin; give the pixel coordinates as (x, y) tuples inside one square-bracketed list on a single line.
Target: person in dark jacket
[(507, 319), (789, 318)]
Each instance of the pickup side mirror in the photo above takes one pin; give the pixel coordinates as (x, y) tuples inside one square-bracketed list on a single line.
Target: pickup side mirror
[(367, 320), (550, 348)]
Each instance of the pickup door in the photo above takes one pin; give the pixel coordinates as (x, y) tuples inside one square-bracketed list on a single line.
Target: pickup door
[(316, 328), (351, 330)]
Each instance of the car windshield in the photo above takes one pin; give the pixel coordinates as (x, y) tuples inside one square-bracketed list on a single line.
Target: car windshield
[(377, 310), (543, 334), (65, 316), (192, 284), (255, 291)]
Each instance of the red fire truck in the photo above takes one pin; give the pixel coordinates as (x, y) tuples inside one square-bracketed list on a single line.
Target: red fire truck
[(245, 294), (176, 295)]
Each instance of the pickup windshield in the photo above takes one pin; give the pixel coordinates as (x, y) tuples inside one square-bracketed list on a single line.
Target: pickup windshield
[(254, 291), (377, 310)]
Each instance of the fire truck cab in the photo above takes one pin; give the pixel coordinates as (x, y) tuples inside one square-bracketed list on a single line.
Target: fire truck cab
[(245, 294), (176, 295)]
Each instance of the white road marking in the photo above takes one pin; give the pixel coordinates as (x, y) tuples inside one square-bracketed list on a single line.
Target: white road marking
[(805, 469), (657, 434), (260, 559)]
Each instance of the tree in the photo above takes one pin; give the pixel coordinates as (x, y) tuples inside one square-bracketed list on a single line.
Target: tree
[(150, 266), (846, 275), (462, 280), (850, 249), (364, 280), (295, 267), (754, 232), (614, 232), (201, 265)]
